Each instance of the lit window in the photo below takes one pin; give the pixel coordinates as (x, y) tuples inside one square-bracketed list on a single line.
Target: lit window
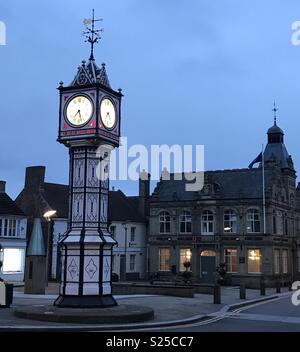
[(276, 261), (164, 222), (230, 221), (164, 259), (253, 222), (254, 261), (185, 257), (284, 261), (231, 260), (185, 222), (13, 260), (207, 222)]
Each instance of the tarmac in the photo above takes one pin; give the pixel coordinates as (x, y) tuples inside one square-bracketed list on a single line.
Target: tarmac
[(168, 311)]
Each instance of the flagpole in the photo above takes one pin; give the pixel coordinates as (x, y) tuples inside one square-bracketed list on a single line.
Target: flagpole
[(263, 180)]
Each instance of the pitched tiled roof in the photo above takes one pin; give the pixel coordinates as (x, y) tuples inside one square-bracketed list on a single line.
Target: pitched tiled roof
[(121, 207), (8, 206), (57, 197)]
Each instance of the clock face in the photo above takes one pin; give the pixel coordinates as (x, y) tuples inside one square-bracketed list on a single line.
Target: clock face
[(79, 110), (108, 113)]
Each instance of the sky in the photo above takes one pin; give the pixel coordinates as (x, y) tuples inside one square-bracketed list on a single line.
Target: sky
[(192, 72)]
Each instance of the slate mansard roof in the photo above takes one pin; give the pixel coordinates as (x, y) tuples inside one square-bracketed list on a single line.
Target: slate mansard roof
[(222, 184)]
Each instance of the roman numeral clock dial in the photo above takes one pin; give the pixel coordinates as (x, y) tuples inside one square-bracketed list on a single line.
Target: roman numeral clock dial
[(79, 110), (108, 113)]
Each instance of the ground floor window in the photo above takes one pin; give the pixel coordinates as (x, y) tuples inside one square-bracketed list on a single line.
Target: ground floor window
[(113, 262), (13, 260), (284, 261), (231, 260), (185, 257), (254, 261), (164, 259), (276, 261), (132, 262)]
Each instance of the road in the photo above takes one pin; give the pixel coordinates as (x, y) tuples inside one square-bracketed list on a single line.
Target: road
[(278, 315)]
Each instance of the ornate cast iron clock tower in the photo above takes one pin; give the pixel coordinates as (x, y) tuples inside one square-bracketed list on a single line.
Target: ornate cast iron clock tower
[(89, 125)]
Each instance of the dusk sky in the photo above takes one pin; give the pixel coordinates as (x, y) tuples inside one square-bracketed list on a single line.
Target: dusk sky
[(192, 72)]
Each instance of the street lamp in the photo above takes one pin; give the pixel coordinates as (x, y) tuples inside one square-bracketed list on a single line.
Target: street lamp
[(1, 259), (48, 217), (124, 224)]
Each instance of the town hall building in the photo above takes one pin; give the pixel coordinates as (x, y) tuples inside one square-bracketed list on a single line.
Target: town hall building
[(227, 222)]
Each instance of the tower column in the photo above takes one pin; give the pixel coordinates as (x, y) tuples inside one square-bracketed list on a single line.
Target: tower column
[(87, 245)]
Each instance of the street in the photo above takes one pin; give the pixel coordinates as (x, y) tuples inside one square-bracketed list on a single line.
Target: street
[(278, 315)]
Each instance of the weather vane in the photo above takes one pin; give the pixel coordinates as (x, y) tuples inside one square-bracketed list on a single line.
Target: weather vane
[(275, 111), (91, 34)]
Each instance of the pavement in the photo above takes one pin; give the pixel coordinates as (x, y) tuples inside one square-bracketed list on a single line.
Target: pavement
[(169, 311)]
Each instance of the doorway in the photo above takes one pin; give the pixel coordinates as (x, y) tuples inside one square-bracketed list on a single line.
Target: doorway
[(122, 268), (207, 266)]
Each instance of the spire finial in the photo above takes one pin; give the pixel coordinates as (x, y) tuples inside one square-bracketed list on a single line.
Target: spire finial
[(275, 115), (91, 34)]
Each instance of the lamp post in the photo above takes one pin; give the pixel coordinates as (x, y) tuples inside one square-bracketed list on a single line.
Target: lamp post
[(124, 224), (1, 259), (48, 216)]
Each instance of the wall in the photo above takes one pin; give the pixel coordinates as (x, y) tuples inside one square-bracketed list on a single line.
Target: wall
[(137, 248)]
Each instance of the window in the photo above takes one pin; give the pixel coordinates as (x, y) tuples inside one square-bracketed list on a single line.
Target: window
[(286, 227), (164, 259), (9, 228), (253, 222), (284, 261), (13, 260), (254, 261), (164, 222), (231, 260), (113, 262), (5, 227), (132, 262), (276, 261), (185, 256), (113, 231), (132, 234), (274, 225), (230, 221), (207, 222), (185, 222), (298, 260)]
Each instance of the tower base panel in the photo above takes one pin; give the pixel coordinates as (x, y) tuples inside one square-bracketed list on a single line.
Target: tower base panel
[(120, 314), (68, 301)]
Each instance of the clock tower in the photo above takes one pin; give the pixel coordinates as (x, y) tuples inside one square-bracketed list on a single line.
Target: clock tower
[(89, 126)]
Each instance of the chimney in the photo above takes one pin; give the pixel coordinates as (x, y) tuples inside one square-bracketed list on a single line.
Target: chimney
[(144, 184), (35, 177), (2, 186), (144, 192)]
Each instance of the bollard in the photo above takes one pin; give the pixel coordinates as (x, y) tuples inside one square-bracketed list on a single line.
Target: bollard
[(277, 287), (242, 291), (217, 294), (262, 288)]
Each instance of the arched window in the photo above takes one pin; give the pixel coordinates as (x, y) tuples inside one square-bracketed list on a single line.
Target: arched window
[(207, 222), (185, 222), (164, 222), (230, 221), (253, 221)]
